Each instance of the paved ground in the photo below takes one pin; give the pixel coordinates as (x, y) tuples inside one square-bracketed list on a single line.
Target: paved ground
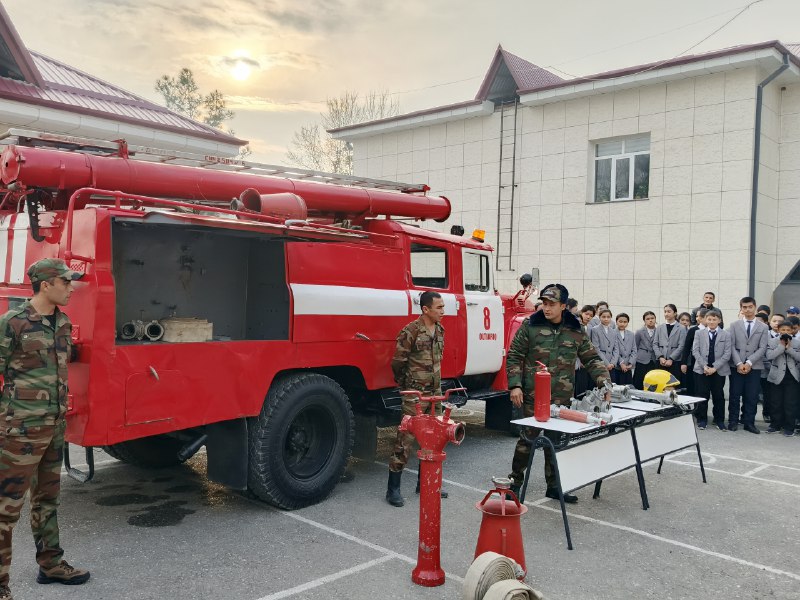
[(172, 534)]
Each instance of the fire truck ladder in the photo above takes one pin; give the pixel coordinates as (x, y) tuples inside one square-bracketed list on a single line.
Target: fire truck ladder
[(40, 139), (507, 184)]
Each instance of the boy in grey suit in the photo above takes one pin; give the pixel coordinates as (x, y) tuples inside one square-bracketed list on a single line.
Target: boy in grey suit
[(712, 353), (784, 375), (748, 346), (645, 355)]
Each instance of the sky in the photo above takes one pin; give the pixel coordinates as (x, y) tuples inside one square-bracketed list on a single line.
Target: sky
[(277, 61)]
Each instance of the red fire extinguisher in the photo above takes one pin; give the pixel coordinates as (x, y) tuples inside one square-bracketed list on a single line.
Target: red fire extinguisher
[(541, 398)]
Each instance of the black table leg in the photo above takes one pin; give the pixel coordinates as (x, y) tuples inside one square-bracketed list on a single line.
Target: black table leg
[(639, 471), (661, 462), (700, 458), (597, 489), (546, 441)]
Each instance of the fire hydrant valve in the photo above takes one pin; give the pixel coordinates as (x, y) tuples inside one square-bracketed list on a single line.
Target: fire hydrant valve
[(433, 434)]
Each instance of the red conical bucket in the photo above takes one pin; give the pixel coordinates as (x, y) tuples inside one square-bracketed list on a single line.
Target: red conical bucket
[(500, 527)]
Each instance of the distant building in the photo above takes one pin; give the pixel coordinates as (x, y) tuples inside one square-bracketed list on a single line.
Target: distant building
[(635, 186), (41, 94)]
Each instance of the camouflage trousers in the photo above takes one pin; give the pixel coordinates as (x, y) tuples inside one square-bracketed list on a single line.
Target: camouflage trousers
[(405, 440), (30, 459), (522, 451)]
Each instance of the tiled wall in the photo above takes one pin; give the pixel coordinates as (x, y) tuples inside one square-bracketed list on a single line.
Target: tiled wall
[(690, 236)]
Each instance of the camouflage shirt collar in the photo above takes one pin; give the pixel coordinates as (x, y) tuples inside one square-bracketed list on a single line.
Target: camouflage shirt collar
[(438, 328), (568, 320), (33, 315)]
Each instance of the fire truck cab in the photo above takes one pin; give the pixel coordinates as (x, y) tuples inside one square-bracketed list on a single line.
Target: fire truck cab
[(236, 308)]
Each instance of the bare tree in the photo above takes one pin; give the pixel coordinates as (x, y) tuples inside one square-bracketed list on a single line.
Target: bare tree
[(313, 148)]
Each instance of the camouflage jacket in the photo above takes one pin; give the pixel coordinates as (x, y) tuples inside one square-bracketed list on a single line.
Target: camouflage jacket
[(417, 360), (557, 347), (33, 360)]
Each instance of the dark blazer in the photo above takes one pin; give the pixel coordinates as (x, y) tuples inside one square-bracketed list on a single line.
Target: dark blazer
[(722, 352), (687, 358)]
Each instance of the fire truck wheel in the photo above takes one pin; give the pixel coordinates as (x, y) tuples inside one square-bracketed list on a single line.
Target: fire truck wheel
[(154, 452), (301, 441)]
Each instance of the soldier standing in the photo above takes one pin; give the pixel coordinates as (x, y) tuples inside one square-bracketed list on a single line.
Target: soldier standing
[(554, 337), (35, 346), (417, 365)]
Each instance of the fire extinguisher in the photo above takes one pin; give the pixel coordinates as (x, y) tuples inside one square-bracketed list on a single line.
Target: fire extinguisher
[(541, 397)]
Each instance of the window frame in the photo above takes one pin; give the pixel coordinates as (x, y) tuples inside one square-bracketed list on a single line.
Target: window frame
[(631, 156), (483, 260), (434, 248)]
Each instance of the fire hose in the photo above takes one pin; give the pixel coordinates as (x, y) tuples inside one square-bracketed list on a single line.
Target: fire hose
[(493, 576), (559, 412)]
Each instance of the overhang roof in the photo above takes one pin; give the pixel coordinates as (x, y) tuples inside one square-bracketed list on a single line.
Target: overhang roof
[(509, 73), (32, 78), (539, 82)]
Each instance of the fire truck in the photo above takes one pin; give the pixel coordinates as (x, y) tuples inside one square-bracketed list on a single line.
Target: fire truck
[(247, 309)]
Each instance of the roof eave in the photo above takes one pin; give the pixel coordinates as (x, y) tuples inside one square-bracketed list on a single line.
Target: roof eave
[(19, 51), (441, 114), (660, 71)]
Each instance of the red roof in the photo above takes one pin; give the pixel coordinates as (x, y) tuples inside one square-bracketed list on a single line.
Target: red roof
[(523, 75), (50, 83)]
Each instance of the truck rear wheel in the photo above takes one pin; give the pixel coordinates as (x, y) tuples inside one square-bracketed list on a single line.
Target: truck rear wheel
[(155, 452), (301, 441)]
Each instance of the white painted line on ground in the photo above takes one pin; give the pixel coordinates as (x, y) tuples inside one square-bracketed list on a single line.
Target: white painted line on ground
[(327, 579), (354, 539), (747, 460), (758, 469), (539, 504), (743, 475), (659, 538)]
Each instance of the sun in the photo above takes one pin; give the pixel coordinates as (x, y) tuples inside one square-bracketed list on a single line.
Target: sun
[(241, 70)]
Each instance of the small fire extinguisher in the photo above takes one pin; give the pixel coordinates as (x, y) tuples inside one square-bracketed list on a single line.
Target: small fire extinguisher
[(541, 397)]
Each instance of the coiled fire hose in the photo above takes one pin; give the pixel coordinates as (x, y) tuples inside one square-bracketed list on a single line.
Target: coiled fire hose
[(493, 576)]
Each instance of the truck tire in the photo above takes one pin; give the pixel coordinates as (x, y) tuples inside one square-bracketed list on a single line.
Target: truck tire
[(301, 441), (156, 452)]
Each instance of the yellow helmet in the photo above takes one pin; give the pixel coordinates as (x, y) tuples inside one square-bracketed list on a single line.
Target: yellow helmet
[(659, 380)]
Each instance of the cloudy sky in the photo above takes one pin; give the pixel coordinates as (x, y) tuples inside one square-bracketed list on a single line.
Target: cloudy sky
[(277, 60)]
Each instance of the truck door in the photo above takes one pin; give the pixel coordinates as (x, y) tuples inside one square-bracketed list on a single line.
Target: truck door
[(431, 269), (485, 342)]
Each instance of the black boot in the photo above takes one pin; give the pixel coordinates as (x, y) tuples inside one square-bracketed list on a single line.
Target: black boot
[(444, 494), (515, 487), (393, 495)]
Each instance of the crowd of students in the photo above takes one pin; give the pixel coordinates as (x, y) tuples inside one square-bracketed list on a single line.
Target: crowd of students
[(759, 355)]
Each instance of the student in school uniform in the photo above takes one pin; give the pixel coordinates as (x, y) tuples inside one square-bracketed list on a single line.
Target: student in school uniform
[(668, 342), (645, 355), (766, 387), (748, 347), (762, 315), (784, 377), (685, 319), (582, 375), (596, 318), (625, 352), (602, 338), (687, 358), (712, 353)]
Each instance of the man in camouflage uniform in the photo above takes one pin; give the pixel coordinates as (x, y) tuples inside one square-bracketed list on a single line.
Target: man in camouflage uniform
[(35, 346), (554, 337), (417, 365)]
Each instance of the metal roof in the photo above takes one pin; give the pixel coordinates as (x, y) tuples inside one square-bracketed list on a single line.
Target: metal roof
[(509, 73), (51, 83)]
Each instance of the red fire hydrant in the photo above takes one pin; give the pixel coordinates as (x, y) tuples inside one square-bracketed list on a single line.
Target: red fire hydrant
[(432, 433)]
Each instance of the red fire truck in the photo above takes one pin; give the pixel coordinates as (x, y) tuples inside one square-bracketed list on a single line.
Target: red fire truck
[(297, 286)]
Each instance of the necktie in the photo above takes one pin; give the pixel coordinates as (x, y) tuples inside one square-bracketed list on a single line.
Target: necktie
[(749, 323), (712, 336)]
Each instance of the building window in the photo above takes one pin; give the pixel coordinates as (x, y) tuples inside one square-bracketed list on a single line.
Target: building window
[(428, 266), (622, 169)]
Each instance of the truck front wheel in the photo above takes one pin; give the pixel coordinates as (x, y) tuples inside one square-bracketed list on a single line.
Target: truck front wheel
[(301, 441)]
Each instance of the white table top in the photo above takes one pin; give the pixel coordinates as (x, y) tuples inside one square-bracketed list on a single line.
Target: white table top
[(565, 426), (644, 406)]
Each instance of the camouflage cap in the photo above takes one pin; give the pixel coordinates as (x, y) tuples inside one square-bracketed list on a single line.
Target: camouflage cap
[(47, 268), (555, 292)]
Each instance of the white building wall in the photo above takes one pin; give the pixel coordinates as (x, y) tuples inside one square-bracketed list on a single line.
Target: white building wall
[(690, 236), (788, 205)]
